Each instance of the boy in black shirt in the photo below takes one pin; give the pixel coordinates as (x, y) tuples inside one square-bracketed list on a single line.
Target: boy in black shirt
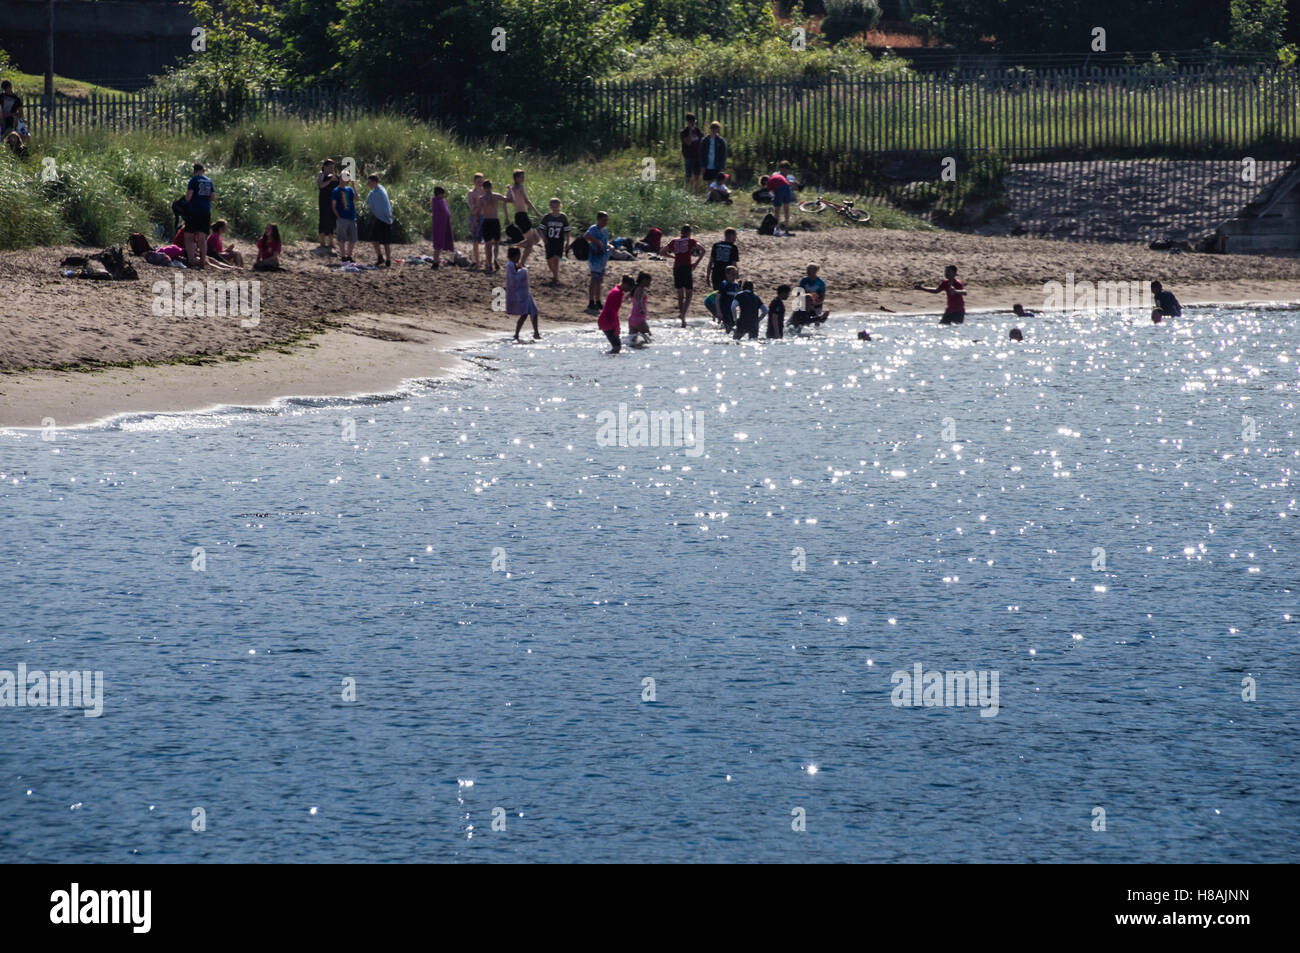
[(723, 255), (553, 227)]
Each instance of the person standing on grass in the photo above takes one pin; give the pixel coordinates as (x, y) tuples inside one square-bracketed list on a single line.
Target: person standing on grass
[(382, 209), (554, 226), (683, 249), (713, 152), (519, 298), (326, 183), (954, 311), (517, 195), (199, 194), (597, 258), (609, 317), (722, 255), (691, 137), (475, 216), (489, 206), (781, 183), (441, 233), (344, 203)]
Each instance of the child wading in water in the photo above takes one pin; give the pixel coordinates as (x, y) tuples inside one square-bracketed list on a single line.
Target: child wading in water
[(519, 299), (608, 321), (954, 311), (637, 321), (776, 312)]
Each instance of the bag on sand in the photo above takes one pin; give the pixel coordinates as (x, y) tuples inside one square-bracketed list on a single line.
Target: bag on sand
[(580, 248), (139, 244), (768, 226)]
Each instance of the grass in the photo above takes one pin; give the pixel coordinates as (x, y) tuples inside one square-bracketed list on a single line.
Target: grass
[(31, 86), (96, 187)]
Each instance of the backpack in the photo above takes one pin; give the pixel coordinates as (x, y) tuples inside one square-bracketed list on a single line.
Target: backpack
[(768, 226), (139, 244), (580, 248)]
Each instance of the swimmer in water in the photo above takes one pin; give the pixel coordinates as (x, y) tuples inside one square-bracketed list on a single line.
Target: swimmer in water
[(1016, 335), (1019, 311)]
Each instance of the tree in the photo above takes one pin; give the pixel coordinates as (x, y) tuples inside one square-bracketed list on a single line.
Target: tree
[(845, 18), (1257, 26)]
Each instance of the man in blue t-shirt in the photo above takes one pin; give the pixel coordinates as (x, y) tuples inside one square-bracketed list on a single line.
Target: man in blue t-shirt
[(345, 217), (597, 258), (199, 194)]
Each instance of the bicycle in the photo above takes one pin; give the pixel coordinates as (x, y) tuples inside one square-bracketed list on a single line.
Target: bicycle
[(846, 208)]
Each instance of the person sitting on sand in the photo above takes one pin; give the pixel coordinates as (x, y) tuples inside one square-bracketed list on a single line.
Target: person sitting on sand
[(608, 321), (776, 312), (219, 253), (1019, 311), (1166, 306), (638, 322), (268, 249), (747, 309), (763, 194), (954, 311), (519, 299)]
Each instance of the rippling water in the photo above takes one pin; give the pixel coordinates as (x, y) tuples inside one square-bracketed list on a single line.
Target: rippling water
[(499, 582)]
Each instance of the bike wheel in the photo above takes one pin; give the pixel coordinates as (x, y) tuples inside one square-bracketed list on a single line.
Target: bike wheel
[(859, 215), (815, 206)]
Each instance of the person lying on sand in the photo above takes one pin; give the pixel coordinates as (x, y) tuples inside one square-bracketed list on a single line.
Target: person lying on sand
[(955, 310)]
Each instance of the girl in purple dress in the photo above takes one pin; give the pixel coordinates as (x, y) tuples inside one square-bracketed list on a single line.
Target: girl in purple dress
[(442, 237)]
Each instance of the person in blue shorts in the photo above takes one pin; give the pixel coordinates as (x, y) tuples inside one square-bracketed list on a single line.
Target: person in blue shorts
[(597, 258), (781, 184)]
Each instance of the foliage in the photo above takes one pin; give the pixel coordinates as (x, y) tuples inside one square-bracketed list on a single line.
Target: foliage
[(845, 18)]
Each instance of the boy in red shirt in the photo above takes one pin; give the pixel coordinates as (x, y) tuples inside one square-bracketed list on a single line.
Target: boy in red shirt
[(954, 311), (684, 269)]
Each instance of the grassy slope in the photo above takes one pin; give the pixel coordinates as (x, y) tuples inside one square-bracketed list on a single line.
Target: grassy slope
[(107, 185)]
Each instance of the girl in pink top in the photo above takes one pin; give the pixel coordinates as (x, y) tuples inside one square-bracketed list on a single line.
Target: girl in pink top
[(443, 240), (637, 321), (608, 320)]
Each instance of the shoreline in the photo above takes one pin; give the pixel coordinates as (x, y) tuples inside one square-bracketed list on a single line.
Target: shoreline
[(333, 335), (343, 364)]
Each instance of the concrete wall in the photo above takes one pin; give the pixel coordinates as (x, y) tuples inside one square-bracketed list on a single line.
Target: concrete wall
[(114, 43)]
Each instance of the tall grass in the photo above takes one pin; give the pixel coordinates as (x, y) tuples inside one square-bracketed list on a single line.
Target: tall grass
[(105, 185)]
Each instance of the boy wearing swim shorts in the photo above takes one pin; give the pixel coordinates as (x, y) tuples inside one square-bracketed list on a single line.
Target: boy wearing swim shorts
[(597, 258), (682, 249), (489, 204), (554, 228)]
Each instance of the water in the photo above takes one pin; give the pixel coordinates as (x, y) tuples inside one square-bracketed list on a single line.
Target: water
[(950, 494)]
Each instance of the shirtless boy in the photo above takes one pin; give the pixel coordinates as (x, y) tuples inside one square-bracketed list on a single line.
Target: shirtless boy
[(517, 196)]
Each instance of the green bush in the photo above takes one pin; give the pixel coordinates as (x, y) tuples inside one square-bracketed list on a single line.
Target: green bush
[(845, 18)]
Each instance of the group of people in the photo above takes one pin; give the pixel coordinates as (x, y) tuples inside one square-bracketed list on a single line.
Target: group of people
[(201, 243), (336, 205)]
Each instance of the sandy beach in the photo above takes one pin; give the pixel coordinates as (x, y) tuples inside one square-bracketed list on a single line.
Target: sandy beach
[(77, 351)]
